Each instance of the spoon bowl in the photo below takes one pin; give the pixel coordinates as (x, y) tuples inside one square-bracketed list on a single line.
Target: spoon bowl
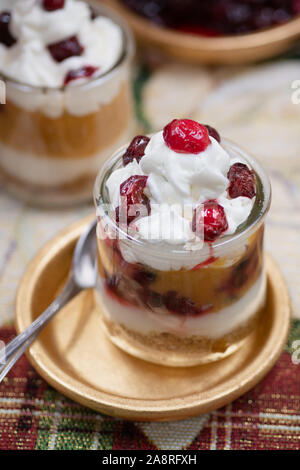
[(84, 258)]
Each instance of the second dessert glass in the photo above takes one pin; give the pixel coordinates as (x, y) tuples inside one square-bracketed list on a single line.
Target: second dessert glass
[(54, 140), (178, 307)]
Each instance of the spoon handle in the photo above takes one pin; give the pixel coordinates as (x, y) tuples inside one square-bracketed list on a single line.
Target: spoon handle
[(11, 362), (20, 343)]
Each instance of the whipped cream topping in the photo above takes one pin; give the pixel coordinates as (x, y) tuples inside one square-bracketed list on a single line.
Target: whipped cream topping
[(177, 183), (34, 28)]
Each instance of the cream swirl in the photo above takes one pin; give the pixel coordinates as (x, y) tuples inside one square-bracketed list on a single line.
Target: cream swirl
[(34, 29), (184, 178)]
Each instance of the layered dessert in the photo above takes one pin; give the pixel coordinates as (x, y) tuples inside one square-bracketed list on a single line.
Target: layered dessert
[(216, 17), (68, 106), (180, 235)]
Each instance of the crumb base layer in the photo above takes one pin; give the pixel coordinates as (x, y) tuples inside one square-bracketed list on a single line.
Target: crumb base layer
[(177, 351)]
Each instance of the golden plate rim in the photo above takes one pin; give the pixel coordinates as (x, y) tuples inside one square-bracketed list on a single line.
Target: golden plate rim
[(140, 409), (223, 50)]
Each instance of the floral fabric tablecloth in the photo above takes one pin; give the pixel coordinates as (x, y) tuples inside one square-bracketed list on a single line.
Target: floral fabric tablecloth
[(253, 106)]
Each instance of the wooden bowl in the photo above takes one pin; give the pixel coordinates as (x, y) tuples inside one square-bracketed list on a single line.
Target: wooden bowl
[(238, 49)]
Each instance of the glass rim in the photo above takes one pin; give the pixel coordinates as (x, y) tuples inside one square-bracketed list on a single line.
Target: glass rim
[(224, 242), (125, 56)]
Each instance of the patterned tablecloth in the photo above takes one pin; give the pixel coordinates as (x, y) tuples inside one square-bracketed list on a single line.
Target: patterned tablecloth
[(254, 107)]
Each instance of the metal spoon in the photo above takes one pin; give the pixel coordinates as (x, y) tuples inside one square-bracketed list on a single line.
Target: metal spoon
[(82, 276)]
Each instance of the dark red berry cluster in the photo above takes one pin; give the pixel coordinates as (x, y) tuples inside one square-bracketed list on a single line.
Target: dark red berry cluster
[(216, 17)]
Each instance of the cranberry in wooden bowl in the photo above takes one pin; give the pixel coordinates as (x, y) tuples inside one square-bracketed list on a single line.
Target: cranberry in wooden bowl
[(241, 38)]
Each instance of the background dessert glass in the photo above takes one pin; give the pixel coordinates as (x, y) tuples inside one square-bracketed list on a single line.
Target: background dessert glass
[(177, 307), (53, 140)]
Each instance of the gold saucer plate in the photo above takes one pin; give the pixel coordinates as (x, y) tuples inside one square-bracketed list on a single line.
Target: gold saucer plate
[(237, 49), (74, 356)]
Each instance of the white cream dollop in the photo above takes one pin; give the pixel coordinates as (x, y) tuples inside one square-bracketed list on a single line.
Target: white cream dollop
[(165, 225), (34, 28), (184, 178)]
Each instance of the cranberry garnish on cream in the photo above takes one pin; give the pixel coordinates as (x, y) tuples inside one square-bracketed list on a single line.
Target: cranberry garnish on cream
[(52, 5), (186, 136), (136, 149), (241, 181), (84, 72), (66, 48), (132, 192), (212, 216), (213, 133)]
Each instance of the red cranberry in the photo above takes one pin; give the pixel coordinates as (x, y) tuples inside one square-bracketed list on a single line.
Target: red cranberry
[(241, 181), (178, 304), (113, 282), (6, 37), (173, 302), (93, 14), (133, 190), (64, 49), (151, 298), (52, 5), (212, 218), (84, 72), (136, 149), (242, 272), (117, 212), (116, 288), (186, 136), (143, 276), (182, 305), (200, 30), (213, 133)]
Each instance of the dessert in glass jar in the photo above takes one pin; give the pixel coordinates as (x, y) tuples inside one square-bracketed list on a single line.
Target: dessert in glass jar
[(66, 66), (180, 245)]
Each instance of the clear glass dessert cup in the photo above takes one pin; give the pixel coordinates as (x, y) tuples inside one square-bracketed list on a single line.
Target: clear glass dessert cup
[(54, 140), (176, 307)]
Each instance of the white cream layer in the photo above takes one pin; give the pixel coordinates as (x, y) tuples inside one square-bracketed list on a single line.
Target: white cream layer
[(51, 171), (209, 325), (77, 101)]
